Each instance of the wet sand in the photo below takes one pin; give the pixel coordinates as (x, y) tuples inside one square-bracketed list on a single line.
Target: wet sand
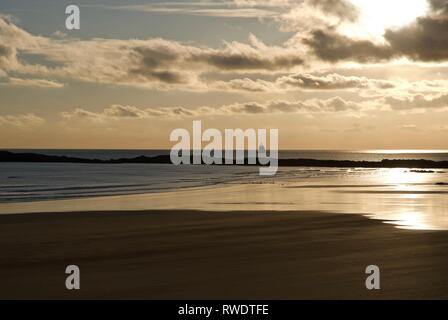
[(225, 255)]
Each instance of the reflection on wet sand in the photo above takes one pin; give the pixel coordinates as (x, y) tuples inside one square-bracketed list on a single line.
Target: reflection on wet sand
[(407, 199)]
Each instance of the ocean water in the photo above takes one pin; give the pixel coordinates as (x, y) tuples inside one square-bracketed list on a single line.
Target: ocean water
[(401, 197), (22, 182), (49, 181), (406, 198)]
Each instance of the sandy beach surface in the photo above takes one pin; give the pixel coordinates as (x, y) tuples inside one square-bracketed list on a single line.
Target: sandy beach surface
[(217, 255)]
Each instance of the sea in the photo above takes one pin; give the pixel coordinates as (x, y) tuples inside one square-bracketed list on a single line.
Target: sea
[(407, 198), (25, 182)]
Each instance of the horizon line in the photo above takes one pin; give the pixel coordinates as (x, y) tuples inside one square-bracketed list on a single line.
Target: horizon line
[(381, 151)]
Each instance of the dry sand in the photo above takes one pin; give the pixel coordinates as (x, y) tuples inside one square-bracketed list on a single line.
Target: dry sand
[(206, 255)]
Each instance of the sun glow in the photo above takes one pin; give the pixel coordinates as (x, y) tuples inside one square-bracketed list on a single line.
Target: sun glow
[(379, 15), (402, 177), (404, 151)]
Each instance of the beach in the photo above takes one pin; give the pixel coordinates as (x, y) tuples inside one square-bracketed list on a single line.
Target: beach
[(217, 255), (154, 231)]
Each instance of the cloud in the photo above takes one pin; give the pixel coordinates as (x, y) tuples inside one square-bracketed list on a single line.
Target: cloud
[(264, 9), (155, 63), (165, 64), (305, 107), (36, 83), (111, 112), (245, 84), (12, 41), (439, 6), (222, 9), (308, 15), (6, 53), (424, 40), (21, 121), (255, 56), (336, 104), (331, 46), (417, 102), (247, 108), (331, 82), (308, 82), (158, 56), (116, 112), (124, 112), (343, 9), (83, 114)]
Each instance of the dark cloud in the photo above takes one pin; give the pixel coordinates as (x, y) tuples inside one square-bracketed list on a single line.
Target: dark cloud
[(7, 55), (440, 6), (171, 62), (330, 46), (155, 62), (178, 111), (243, 61), (426, 40), (168, 77), (157, 57), (5, 51)]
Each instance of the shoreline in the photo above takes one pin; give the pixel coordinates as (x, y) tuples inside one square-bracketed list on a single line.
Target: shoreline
[(6, 156), (411, 208), (186, 254)]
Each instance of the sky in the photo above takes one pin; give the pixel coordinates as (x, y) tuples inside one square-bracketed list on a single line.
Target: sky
[(328, 74)]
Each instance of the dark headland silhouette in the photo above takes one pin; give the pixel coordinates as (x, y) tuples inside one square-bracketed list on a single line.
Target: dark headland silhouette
[(7, 156)]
